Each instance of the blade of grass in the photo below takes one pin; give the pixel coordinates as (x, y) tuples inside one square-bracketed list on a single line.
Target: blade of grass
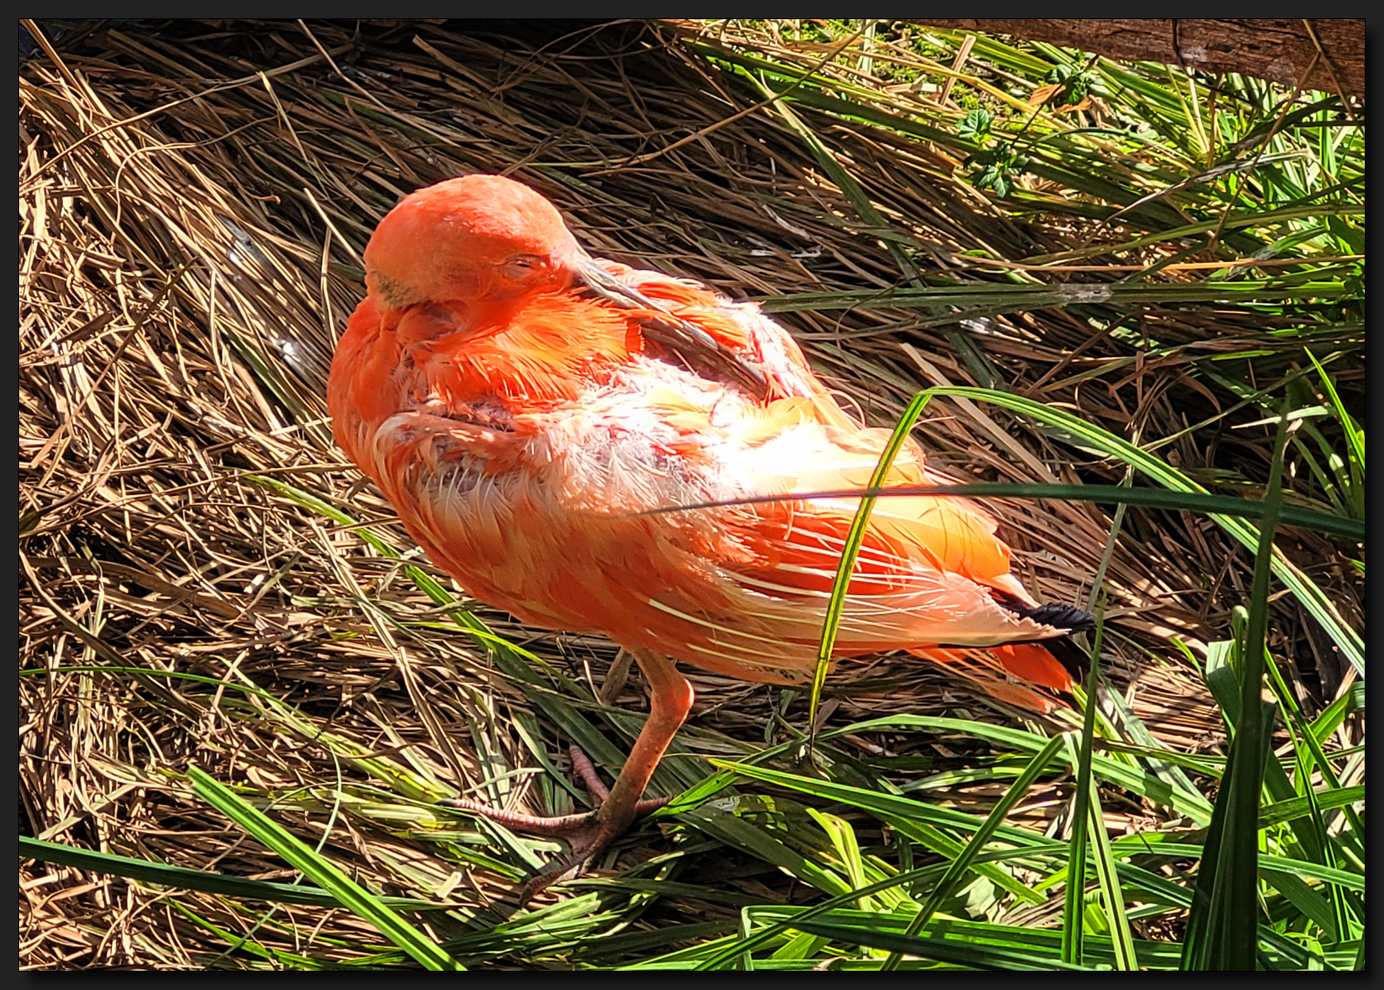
[(182, 878), (298, 854), (1086, 808), (1151, 498), (1222, 929), (1311, 596), (1073, 915), (1355, 439), (970, 954), (1112, 896), (855, 536), (1116, 772), (1013, 298), (961, 864)]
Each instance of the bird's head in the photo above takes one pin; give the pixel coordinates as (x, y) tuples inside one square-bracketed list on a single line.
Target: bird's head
[(477, 238), (472, 247)]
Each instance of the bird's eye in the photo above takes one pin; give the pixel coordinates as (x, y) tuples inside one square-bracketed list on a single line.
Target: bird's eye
[(522, 264)]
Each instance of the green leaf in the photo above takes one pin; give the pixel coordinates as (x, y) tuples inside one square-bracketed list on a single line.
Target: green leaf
[(182, 878), (975, 124)]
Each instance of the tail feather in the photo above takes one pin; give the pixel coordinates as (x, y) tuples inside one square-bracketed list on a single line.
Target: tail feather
[(1049, 614), (1034, 663), (978, 667), (1052, 663)]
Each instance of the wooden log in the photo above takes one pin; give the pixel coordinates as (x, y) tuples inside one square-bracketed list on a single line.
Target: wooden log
[(1277, 49)]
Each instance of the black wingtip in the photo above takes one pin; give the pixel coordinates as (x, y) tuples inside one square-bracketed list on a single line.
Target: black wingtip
[(1074, 660), (1069, 617), (1050, 614), (1061, 616)]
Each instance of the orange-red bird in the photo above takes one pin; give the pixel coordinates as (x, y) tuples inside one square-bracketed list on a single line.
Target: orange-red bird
[(522, 405)]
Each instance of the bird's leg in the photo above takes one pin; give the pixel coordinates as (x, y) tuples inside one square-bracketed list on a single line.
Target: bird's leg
[(581, 763), (670, 698)]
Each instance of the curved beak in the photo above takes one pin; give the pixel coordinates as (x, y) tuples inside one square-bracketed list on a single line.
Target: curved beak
[(672, 338)]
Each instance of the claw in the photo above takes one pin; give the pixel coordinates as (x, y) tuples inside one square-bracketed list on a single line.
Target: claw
[(588, 834), (585, 848)]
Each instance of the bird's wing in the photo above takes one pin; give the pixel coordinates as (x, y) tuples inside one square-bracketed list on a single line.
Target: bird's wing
[(927, 569), (737, 327), (743, 588)]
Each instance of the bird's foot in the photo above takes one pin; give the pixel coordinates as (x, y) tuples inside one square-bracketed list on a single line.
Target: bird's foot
[(587, 834)]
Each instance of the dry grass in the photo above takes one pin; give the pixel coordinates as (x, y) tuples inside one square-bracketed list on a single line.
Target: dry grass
[(193, 201)]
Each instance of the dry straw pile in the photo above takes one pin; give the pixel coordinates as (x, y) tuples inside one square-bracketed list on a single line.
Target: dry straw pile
[(194, 198)]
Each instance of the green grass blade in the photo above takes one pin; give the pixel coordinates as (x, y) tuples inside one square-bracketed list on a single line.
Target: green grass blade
[(1309, 757), (1308, 593), (737, 833), (961, 864), (1355, 439), (181, 878), (1073, 913), (1112, 896), (1222, 930), (854, 537), (1113, 771), (300, 856), (748, 943), (1013, 298), (961, 953), (1152, 498), (843, 839)]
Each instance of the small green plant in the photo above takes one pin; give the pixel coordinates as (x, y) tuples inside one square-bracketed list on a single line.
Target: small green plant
[(999, 166), (1070, 83)]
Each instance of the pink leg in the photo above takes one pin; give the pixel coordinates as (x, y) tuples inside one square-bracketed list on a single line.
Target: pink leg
[(670, 698)]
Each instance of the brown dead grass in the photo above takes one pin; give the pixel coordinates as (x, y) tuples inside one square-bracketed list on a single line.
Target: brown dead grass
[(193, 201)]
